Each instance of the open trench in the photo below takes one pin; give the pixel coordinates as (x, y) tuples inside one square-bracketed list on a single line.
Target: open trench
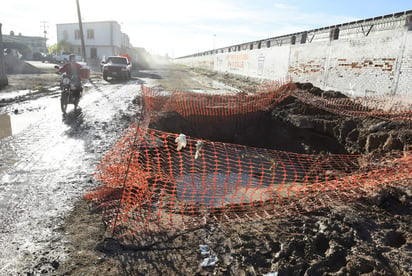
[(291, 127), (294, 126), (260, 130)]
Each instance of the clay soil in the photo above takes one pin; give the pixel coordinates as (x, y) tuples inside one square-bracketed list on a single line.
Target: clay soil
[(370, 234)]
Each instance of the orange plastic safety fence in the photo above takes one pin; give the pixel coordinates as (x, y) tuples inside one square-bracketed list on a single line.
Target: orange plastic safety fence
[(267, 95), (222, 105), (149, 184), (387, 107), (167, 188)]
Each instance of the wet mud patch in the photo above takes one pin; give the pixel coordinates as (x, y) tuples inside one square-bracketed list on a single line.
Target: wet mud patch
[(354, 239)]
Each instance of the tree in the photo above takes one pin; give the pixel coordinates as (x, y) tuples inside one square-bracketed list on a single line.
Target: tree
[(61, 46)]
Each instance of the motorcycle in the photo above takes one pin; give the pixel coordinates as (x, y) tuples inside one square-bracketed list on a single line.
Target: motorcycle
[(71, 91)]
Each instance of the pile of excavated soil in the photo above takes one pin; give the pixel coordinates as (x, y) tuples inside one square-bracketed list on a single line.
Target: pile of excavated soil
[(371, 234), (15, 65), (356, 135)]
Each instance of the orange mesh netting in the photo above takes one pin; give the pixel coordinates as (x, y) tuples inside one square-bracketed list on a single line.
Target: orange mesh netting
[(213, 105), (264, 97), (154, 180), (205, 181), (387, 107)]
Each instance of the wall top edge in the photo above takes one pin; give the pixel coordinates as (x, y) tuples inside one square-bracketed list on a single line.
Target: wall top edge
[(393, 17)]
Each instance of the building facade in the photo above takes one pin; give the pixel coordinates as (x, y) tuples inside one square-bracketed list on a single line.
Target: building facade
[(101, 39), (35, 44)]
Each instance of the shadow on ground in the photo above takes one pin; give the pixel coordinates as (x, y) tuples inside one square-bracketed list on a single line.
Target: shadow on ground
[(146, 75)]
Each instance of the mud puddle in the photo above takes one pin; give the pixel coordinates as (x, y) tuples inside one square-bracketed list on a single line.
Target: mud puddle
[(15, 123)]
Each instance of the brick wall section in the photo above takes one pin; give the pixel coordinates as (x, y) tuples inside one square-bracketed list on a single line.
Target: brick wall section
[(363, 66), (370, 57), (404, 85)]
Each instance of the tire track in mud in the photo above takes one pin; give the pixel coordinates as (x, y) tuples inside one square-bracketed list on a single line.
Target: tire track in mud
[(52, 164)]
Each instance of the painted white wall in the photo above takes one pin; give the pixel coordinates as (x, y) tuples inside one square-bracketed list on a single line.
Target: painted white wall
[(370, 57), (108, 38)]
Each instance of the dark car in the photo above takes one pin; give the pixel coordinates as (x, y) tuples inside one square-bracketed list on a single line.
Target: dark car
[(48, 57), (117, 67), (37, 56)]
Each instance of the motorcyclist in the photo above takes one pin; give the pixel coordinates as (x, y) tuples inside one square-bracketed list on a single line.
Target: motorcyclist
[(72, 69)]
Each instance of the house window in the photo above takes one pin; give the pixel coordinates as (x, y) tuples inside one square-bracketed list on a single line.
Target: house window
[(259, 44), (93, 52), (77, 34), (268, 44), (90, 34), (65, 35), (251, 46)]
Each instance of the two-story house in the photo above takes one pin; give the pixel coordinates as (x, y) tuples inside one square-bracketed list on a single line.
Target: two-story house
[(101, 39)]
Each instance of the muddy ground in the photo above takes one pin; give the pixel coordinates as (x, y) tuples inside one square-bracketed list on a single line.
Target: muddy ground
[(371, 234)]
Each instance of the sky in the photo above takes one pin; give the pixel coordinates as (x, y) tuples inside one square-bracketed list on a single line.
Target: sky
[(183, 27)]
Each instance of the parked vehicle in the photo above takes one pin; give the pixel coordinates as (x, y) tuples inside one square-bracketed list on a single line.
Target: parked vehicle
[(37, 56), (48, 57), (64, 57), (117, 67)]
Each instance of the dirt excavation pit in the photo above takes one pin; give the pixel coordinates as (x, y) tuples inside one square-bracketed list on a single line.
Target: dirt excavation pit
[(259, 130), (369, 234), (295, 127)]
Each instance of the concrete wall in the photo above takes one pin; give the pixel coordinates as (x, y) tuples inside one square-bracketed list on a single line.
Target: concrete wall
[(366, 57)]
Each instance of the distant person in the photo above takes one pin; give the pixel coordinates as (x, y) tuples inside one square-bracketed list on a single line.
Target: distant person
[(72, 68), (102, 62)]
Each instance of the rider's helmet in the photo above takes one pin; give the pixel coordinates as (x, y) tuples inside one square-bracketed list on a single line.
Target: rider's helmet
[(72, 57)]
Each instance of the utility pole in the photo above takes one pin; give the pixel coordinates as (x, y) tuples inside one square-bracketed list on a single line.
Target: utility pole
[(3, 77), (44, 27), (214, 41), (81, 31)]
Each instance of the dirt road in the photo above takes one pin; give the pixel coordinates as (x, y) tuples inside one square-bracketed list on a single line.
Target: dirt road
[(49, 160), (47, 228)]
